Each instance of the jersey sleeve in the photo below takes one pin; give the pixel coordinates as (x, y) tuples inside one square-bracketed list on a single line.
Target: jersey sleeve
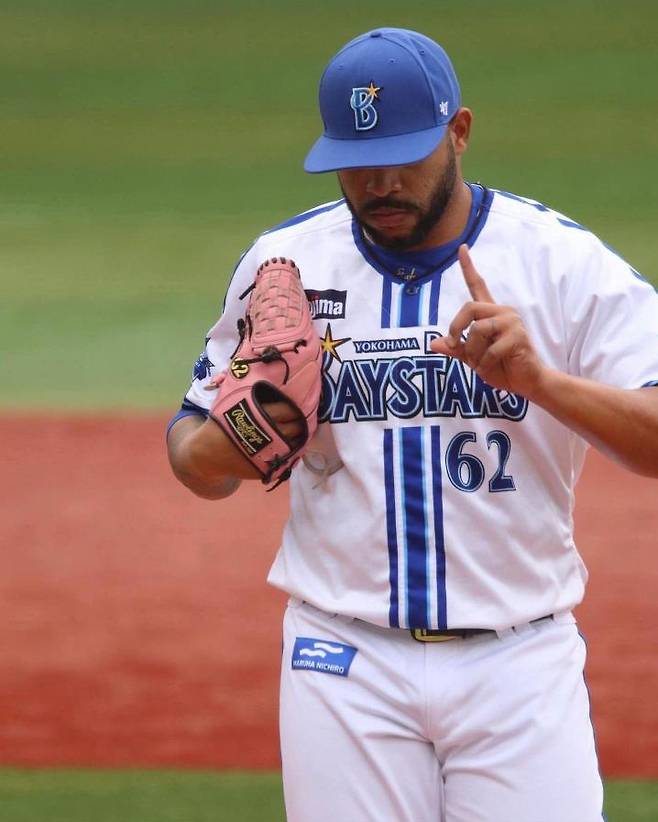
[(611, 321), (221, 339)]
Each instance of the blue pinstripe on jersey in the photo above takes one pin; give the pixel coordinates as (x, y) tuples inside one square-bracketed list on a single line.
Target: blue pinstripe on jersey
[(391, 529), (387, 296), (437, 490), (434, 301), (415, 525), (412, 475), (410, 306)]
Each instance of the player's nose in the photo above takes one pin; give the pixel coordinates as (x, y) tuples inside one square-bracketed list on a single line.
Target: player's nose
[(381, 182)]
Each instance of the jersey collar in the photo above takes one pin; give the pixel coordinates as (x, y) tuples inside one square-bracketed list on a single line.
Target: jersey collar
[(420, 266)]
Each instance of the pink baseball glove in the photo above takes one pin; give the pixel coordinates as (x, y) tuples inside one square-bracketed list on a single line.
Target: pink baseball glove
[(278, 359)]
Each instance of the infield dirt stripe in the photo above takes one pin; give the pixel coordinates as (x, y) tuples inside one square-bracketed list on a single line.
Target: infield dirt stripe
[(137, 627)]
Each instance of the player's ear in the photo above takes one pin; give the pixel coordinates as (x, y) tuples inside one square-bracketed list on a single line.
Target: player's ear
[(460, 129)]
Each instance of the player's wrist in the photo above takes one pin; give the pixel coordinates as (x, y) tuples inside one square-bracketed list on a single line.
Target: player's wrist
[(548, 385)]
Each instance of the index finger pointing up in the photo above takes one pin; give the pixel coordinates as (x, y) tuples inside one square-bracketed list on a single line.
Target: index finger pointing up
[(476, 285)]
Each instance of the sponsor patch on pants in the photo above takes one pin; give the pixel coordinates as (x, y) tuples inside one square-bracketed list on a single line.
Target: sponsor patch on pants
[(322, 655)]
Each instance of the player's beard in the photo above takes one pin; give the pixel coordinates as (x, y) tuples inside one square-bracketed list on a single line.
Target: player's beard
[(428, 216)]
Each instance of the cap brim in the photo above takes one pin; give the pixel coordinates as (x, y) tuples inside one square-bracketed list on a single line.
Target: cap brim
[(330, 154)]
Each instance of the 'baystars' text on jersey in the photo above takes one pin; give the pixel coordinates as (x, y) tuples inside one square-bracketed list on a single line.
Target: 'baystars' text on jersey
[(428, 498)]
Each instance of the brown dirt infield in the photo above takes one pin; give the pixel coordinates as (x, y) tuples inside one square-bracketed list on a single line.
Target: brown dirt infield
[(136, 627)]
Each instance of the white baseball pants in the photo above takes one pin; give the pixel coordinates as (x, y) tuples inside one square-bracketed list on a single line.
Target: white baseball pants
[(377, 727)]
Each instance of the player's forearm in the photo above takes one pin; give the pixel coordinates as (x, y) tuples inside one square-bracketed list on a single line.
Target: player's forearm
[(622, 424), (204, 460)]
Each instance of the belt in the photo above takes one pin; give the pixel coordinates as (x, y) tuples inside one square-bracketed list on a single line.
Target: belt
[(430, 635)]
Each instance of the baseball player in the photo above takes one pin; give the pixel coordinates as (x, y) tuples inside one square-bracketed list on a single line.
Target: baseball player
[(473, 343)]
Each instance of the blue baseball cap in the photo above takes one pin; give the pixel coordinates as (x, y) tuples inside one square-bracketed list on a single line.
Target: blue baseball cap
[(386, 99)]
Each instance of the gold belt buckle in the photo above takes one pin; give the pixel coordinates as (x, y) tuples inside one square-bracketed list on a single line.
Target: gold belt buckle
[(425, 635)]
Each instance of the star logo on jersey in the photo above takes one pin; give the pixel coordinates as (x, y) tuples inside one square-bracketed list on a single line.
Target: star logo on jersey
[(329, 345)]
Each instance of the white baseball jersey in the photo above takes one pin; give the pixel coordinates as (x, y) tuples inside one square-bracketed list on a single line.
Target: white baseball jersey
[(428, 498)]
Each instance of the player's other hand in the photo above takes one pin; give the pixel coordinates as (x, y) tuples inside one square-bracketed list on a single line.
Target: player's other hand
[(288, 420), (490, 338)]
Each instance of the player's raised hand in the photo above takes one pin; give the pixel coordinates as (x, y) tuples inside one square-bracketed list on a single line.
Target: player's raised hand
[(490, 338)]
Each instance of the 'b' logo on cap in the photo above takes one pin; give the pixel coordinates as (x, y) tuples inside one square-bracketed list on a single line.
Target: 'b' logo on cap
[(362, 103)]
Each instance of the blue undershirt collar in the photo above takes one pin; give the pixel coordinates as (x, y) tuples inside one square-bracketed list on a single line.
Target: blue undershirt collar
[(416, 265)]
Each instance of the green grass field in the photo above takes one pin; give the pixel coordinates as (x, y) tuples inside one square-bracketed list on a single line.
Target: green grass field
[(146, 143), (178, 796)]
